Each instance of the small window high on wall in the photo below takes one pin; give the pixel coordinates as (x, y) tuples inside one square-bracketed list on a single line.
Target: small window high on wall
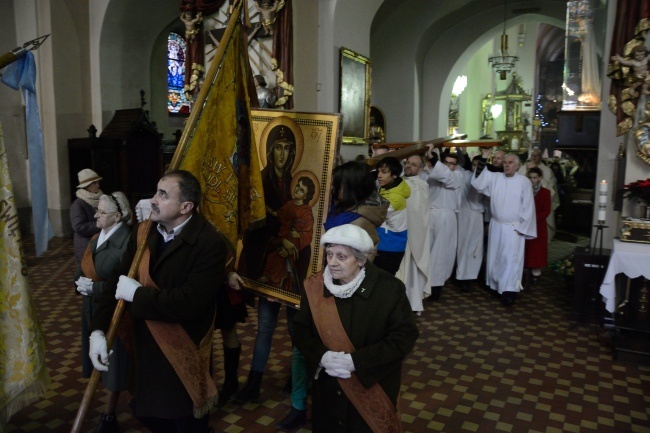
[(177, 103)]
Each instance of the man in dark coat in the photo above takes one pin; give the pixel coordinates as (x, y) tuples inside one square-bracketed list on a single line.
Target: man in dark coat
[(179, 290)]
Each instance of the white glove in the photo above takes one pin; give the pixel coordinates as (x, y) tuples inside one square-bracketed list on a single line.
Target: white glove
[(341, 374), (328, 358), (336, 364), (343, 362), (84, 286), (126, 288), (98, 350)]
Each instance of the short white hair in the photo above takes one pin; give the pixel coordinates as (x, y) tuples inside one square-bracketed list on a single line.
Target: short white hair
[(516, 157)]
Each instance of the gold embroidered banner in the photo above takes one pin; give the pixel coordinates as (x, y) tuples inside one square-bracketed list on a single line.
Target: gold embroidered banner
[(221, 149), (22, 349)]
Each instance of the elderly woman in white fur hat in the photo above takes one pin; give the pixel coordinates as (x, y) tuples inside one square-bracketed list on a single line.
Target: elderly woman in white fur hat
[(355, 327), (82, 212)]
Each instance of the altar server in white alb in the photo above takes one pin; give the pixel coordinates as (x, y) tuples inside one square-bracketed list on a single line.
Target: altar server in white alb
[(444, 201), (513, 221), (469, 253), (414, 269)]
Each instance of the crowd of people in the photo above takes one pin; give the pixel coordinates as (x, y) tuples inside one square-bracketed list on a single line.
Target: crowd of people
[(393, 237)]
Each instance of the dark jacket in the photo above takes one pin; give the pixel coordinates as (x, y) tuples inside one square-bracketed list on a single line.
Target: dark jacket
[(378, 320), (106, 258), (189, 274), (84, 227)]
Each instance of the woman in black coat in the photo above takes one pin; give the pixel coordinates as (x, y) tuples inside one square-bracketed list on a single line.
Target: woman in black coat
[(376, 318), (102, 256)]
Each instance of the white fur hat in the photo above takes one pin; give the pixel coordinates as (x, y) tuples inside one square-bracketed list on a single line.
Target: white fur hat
[(86, 177), (349, 235)]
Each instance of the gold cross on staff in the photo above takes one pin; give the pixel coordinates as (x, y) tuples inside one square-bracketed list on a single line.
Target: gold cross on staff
[(404, 150)]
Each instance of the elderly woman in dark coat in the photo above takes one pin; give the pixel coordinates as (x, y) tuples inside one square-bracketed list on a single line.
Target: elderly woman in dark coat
[(102, 256), (354, 327), (82, 212)]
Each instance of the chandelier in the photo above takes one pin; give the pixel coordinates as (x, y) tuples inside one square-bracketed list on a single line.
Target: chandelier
[(502, 63)]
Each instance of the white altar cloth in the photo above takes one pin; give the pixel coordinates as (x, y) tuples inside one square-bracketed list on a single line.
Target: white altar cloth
[(629, 258)]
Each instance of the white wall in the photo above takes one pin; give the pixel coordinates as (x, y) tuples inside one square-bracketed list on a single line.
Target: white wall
[(608, 145)]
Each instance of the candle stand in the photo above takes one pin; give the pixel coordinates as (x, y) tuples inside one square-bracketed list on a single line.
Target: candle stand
[(597, 265)]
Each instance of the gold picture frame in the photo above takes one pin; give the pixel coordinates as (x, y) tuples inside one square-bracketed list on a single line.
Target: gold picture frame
[(354, 96), (275, 259)]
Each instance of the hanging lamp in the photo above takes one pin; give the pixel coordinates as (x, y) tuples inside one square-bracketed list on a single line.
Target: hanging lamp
[(502, 63)]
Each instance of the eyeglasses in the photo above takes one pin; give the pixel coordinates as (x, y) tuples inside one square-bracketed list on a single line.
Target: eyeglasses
[(450, 163), (102, 213)]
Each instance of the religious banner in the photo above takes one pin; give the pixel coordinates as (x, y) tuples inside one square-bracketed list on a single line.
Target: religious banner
[(22, 74), (218, 148), (221, 150), (297, 153), (22, 348)]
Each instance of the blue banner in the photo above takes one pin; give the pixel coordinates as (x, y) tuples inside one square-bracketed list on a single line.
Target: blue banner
[(22, 73)]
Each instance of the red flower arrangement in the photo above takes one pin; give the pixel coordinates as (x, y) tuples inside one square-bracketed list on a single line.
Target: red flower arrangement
[(639, 190)]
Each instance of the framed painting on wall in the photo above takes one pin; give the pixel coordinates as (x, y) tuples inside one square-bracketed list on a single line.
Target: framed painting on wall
[(297, 155), (354, 96)]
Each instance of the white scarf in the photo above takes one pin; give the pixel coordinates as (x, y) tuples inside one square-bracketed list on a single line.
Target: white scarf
[(91, 198), (343, 290)]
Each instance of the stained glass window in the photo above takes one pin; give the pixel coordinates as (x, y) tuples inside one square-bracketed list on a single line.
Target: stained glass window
[(177, 103)]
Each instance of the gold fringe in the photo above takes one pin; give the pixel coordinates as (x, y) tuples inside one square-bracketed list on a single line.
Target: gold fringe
[(27, 396), (200, 412)]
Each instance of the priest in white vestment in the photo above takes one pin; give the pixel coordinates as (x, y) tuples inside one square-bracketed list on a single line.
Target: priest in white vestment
[(414, 269), (513, 221), (469, 252), (444, 201)]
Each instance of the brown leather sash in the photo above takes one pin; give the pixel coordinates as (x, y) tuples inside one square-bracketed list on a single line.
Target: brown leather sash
[(87, 262), (372, 403), (191, 363)]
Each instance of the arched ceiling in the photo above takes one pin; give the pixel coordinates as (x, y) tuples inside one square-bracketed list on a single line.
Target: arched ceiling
[(550, 43), (427, 42)]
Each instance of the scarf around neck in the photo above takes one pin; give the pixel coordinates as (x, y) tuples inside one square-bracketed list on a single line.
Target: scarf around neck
[(343, 290), (89, 197)]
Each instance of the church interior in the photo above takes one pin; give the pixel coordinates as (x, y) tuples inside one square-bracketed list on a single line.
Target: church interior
[(116, 82)]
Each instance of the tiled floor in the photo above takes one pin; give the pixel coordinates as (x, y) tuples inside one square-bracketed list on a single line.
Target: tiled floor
[(477, 367)]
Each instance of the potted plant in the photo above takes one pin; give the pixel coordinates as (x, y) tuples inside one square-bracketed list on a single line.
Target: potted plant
[(565, 269), (639, 191)]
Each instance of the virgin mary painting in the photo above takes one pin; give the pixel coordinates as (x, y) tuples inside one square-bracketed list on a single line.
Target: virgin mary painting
[(283, 151)]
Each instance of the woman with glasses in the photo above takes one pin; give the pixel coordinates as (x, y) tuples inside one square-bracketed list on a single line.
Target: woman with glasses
[(103, 254)]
